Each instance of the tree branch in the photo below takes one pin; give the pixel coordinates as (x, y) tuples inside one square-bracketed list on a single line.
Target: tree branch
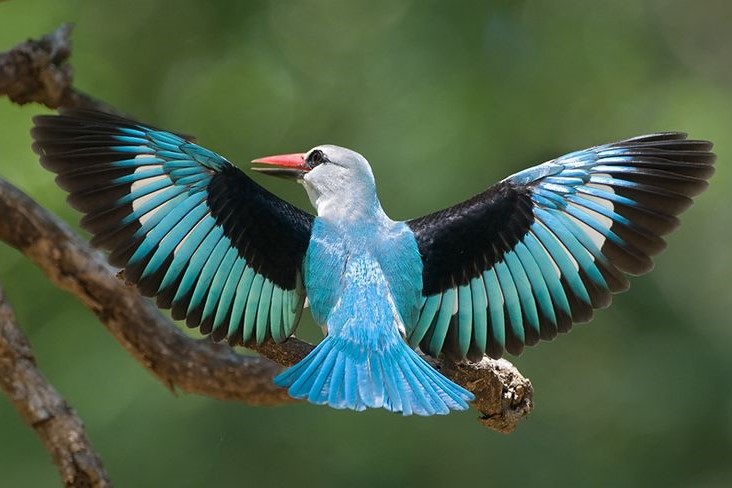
[(43, 409), (37, 71), (503, 396)]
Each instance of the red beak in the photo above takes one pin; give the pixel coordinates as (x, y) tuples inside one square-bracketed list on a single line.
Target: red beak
[(290, 166), (295, 161)]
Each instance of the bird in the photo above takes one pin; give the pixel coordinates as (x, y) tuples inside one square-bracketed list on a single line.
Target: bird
[(520, 262)]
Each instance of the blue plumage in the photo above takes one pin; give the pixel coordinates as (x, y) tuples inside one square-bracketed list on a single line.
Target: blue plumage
[(520, 262), (364, 362)]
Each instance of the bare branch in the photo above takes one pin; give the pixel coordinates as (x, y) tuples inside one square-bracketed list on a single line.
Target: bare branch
[(43, 409), (503, 396), (37, 71)]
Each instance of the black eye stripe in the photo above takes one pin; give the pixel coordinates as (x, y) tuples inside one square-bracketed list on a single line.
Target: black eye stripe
[(316, 157)]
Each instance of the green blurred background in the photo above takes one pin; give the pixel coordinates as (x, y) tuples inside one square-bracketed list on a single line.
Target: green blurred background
[(444, 98)]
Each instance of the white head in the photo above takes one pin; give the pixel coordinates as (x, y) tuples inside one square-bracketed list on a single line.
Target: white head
[(338, 181)]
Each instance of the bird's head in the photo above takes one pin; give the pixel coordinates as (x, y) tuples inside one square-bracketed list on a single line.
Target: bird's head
[(332, 175)]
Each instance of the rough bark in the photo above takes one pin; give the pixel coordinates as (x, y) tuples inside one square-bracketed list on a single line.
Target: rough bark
[(37, 71), (503, 396), (43, 409)]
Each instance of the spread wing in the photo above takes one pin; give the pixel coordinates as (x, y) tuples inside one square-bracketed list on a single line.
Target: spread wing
[(545, 247), (187, 226)]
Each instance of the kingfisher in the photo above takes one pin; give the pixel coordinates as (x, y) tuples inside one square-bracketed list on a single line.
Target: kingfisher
[(518, 263)]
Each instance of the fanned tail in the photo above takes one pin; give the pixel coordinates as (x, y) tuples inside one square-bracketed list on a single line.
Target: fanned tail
[(343, 374)]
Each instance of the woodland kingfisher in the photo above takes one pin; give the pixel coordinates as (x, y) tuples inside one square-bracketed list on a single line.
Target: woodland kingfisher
[(519, 262)]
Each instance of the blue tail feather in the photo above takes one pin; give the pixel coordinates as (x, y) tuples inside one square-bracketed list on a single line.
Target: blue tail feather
[(335, 388), (343, 374)]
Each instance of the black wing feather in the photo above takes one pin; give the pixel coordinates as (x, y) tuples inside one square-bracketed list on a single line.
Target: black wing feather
[(459, 242)]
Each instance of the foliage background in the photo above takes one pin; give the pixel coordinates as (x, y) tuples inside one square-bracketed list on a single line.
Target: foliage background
[(444, 98)]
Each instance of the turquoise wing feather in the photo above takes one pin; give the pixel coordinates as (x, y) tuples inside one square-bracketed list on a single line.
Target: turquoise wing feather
[(544, 248), (187, 226)]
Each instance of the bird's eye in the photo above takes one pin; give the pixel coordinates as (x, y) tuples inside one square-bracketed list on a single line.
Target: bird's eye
[(316, 157)]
